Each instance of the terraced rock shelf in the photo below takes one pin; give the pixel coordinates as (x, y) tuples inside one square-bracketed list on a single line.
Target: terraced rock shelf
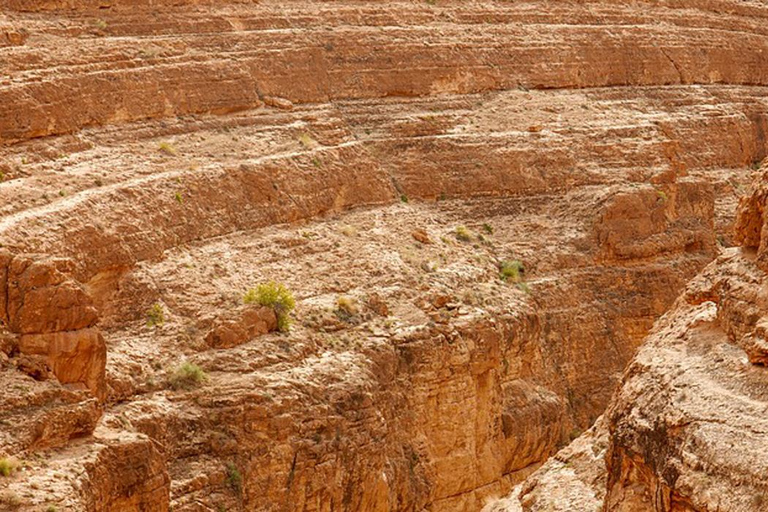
[(480, 208)]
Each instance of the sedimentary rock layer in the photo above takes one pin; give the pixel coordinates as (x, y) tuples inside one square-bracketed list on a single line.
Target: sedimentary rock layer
[(533, 183)]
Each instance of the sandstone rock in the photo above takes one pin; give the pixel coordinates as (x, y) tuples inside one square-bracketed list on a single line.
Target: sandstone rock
[(35, 366), (75, 356), (15, 37), (377, 304), (650, 220), (54, 316), (128, 473), (38, 415), (277, 102), (751, 229), (572, 480), (250, 322), (42, 299), (686, 423), (421, 235)]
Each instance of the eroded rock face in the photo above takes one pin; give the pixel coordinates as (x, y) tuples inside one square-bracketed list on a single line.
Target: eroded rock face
[(686, 427), (249, 323), (178, 153), (52, 316)]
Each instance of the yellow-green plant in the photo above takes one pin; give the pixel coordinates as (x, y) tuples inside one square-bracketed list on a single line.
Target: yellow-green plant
[(187, 376), (275, 296)]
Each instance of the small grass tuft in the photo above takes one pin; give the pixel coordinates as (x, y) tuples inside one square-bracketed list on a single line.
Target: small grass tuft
[(187, 376), (167, 148), (403, 198), (234, 478), (511, 271), (7, 467), (346, 308), (155, 315), (463, 234), (10, 498), (488, 229), (306, 140), (275, 296)]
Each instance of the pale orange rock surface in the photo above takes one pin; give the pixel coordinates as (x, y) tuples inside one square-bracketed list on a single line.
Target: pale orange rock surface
[(396, 165)]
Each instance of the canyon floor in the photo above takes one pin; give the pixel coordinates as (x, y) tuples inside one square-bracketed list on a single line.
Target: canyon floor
[(524, 241)]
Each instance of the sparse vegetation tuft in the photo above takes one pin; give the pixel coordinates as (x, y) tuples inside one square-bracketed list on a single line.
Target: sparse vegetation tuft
[(155, 315), (234, 478), (306, 140), (10, 498), (275, 296), (488, 229), (511, 271), (403, 198), (187, 376), (167, 148), (346, 308), (7, 467), (463, 234)]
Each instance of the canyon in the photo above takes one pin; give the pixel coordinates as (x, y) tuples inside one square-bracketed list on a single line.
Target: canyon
[(525, 242)]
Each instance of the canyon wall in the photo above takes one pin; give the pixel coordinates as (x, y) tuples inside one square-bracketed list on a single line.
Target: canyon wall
[(387, 162)]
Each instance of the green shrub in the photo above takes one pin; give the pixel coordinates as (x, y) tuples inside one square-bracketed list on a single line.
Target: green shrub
[(234, 478), (511, 271), (403, 198), (463, 234), (155, 315), (7, 467), (488, 228), (275, 296), (187, 376)]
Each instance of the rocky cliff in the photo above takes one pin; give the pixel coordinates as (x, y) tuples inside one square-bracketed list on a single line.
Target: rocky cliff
[(685, 429), (481, 210)]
